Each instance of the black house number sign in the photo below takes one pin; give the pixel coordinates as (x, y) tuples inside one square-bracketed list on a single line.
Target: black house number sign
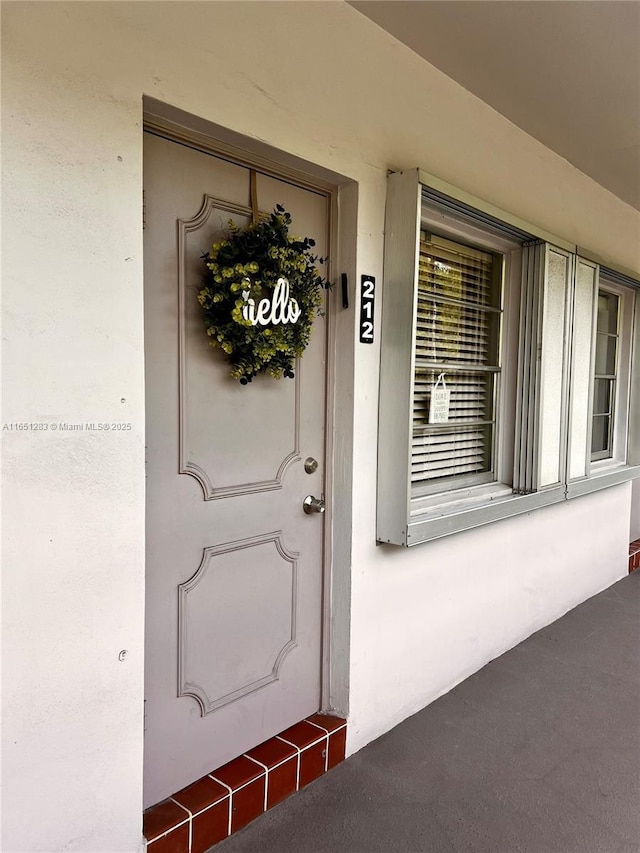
[(367, 304)]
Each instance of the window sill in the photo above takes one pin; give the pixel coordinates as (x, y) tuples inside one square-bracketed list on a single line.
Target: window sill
[(446, 503), (602, 477), (492, 504), (495, 502)]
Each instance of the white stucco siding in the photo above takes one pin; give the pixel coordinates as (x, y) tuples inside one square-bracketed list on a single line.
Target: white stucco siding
[(73, 509), (320, 81), (634, 530), (427, 619)]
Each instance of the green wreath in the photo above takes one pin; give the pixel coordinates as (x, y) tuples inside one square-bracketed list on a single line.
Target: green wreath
[(261, 296)]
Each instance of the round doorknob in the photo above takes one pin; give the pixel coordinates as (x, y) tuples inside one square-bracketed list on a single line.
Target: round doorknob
[(311, 504)]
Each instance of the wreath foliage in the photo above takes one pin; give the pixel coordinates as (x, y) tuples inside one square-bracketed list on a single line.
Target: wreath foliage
[(248, 265)]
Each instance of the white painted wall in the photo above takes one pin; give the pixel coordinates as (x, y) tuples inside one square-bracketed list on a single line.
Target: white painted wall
[(321, 82), (429, 619), (634, 527)]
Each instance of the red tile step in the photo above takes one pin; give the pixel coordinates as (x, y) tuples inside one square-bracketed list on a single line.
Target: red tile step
[(202, 814), (634, 555)]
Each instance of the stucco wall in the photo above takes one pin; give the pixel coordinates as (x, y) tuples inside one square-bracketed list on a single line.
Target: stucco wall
[(634, 528), (319, 81)]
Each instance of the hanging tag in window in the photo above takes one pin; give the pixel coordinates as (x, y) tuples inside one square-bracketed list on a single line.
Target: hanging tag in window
[(439, 405)]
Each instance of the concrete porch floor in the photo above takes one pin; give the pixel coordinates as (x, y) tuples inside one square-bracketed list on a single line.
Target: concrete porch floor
[(539, 752)]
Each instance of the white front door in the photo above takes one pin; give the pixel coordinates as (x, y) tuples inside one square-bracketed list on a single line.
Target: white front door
[(234, 565)]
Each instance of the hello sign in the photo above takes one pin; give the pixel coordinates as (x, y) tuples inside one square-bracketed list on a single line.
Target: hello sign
[(282, 308)]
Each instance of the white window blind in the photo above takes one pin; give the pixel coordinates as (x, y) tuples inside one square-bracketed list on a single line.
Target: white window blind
[(457, 333)]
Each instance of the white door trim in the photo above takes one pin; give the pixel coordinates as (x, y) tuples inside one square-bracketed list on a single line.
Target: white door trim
[(225, 150)]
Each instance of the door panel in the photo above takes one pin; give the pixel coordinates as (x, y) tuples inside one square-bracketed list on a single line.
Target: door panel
[(217, 613), (221, 470), (234, 566)]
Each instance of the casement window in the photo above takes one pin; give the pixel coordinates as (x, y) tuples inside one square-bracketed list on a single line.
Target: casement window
[(502, 388)]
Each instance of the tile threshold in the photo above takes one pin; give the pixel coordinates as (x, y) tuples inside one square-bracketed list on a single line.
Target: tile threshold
[(227, 799)]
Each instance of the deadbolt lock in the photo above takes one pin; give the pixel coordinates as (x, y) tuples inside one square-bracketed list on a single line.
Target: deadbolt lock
[(310, 465)]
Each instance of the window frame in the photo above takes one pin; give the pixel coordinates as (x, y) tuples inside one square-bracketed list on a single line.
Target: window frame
[(401, 518), (612, 379), (622, 377), (624, 464), (541, 422), (468, 485)]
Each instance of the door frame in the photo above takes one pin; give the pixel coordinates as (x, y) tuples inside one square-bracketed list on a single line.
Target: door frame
[(341, 192)]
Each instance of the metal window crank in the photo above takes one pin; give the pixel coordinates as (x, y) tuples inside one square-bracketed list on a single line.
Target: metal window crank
[(311, 504)]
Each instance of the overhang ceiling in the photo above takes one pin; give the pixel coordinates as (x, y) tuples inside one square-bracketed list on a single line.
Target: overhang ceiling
[(566, 72)]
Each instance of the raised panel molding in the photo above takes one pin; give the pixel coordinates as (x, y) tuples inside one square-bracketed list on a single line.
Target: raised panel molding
[(190, 687), (190, 466)]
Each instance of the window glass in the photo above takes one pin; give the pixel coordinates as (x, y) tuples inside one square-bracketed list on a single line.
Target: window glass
[(456, 348), (605, 354), (602, 397), (607, 312), (604, 383), (600, 436)]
